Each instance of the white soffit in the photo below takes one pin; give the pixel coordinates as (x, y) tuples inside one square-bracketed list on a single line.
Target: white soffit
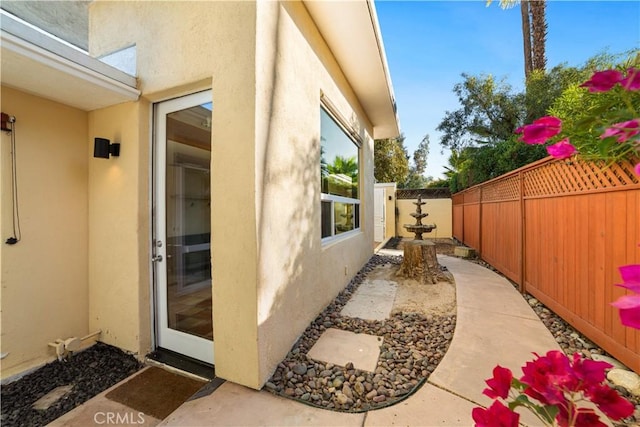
[(37, 63), (350, 29)]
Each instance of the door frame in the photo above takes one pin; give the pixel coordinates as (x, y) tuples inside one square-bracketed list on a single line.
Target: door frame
[(165, 337)]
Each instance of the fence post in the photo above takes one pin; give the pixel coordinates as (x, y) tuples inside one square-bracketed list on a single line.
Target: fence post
[(523, 246), (480, 222)]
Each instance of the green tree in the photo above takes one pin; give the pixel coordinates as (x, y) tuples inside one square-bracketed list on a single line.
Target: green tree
[(490, 112), (416, 178), (391, 162)]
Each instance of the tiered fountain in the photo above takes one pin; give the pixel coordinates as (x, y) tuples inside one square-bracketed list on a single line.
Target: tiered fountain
[(419, 261), (418, 228)]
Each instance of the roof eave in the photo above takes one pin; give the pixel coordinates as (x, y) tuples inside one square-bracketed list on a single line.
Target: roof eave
[(351, 31), (40, 64)]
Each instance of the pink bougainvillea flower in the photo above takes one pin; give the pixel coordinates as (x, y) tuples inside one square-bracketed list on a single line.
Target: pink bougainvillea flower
[(540, 130), (500, 384), (629, 305), (632, 81), (562, 149), (497, 415), (630, 277), (548, 376), (629, 309), (588, 419), (602, 81), (610, 402), (623, 130), (636, 169), (589, 372), (579, 417)]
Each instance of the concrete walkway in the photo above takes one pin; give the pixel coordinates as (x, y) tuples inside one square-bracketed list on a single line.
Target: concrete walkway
[(494, 326)]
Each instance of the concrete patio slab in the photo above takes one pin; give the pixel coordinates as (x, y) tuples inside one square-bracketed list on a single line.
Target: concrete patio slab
[(429, 406), (475, 351), (482, 284), (485, 337), (373, 300), (488, 333), (341, 347), (235, 405)]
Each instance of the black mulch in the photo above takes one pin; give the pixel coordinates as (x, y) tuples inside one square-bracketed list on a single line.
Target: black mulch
[(90, 372)]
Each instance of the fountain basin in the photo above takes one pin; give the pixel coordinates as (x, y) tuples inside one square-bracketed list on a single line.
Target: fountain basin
[(418, 229)]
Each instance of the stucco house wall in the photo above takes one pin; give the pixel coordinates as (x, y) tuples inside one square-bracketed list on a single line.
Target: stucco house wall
[(298, 275), (44, 276), (267, 66), (118, 239), (87, 222)]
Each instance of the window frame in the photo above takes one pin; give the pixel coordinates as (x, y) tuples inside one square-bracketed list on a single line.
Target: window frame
[(353, 136)]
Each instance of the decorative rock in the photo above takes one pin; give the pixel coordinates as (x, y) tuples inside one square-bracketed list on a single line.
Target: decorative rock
[(342, 399), (300, 369), (625, 379), (533, 302), (402, 364), (346, 390), (358, 387), (271, 386), (609, 360)]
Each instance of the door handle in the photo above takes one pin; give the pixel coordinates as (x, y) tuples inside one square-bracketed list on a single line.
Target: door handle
[(156, 258)]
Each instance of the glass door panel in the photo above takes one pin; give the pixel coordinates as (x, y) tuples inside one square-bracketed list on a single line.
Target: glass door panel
[(183, 226)]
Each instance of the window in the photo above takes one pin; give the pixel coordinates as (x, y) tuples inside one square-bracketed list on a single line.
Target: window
[(340, 170)]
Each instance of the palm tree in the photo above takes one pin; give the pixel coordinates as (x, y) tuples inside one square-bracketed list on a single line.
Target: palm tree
[(344, 165), (534, 32)]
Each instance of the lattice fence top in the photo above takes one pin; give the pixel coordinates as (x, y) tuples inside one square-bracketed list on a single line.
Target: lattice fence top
[(472, 195), (426, 193), (561, 177), (504, 189)]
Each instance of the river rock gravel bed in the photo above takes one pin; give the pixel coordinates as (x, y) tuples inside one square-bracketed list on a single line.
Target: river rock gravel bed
[(413, 346), (89, 372)]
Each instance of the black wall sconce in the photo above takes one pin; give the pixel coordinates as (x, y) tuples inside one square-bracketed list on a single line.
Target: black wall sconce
[(102, 148)]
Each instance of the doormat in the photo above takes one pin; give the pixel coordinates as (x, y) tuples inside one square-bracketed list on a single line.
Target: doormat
[(155, 392)]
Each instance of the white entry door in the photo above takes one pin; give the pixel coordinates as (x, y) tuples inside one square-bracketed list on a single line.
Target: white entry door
[(378, 215), (182, 226)]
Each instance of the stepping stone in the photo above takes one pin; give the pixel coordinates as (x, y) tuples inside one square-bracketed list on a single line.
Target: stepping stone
[(373, 300), (52, 397), (341, 347)]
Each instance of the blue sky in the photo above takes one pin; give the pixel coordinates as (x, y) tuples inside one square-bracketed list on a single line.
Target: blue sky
[(430, 43)]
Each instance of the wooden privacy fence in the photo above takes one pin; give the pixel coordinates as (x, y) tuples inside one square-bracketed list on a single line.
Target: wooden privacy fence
[(560, 230)]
